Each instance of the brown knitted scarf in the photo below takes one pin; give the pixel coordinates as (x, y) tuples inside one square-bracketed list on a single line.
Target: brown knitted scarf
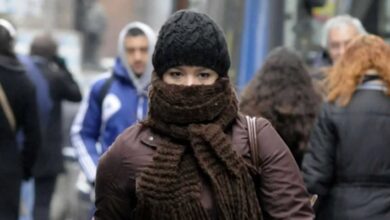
[(194, 121)]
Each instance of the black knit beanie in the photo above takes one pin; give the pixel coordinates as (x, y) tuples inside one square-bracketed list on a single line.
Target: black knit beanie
[(193, 39)]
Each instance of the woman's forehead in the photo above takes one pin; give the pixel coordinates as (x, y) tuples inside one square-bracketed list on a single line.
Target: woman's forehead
[(187, 67)]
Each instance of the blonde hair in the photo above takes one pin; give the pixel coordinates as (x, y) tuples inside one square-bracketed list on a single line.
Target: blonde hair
[(365, 53)]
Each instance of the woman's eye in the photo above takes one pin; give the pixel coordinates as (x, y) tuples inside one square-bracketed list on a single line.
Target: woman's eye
[(204, 75), (175, 74)]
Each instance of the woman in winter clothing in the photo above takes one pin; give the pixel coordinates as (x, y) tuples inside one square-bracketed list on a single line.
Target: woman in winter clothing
[(348, 163), (190, 158), (16, 162), (283, 93)]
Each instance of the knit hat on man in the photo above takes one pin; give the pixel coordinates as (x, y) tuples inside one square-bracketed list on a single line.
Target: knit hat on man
[(193, 39)]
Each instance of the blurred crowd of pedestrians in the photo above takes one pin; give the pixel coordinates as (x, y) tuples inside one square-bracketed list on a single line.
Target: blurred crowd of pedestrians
[(333, 117)]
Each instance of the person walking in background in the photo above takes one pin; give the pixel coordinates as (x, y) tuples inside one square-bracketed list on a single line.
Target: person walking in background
[(348, 163), (190, 159), (115, 102), (54, 84), (283, 93), (18, 113), (337, 32), (93, 28)]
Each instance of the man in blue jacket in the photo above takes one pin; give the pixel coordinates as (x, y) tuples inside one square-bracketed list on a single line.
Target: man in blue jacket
[(115, 102)]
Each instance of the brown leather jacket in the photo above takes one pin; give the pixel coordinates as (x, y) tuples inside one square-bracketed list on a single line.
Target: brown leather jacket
[(282, 192)]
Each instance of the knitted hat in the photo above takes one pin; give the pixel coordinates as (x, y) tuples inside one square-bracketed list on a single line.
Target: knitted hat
[(193, 39)]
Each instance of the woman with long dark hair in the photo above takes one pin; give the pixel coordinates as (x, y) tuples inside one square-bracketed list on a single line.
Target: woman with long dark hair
[(283, 93)]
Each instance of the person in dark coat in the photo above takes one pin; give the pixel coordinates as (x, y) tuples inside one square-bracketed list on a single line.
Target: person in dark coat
[(16, 162), (283, 93), (348, 163), (93, 28), (53, 74), (190, 158)]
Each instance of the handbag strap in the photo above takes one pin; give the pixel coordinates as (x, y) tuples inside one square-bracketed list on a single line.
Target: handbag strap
[(7, 109), (254, 148)]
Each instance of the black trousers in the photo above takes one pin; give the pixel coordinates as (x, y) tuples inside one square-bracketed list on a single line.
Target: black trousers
[(44, 189), (9, 196)]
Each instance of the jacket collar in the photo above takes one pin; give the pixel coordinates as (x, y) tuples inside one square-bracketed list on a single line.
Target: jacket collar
[(150, 139), (376, 84)]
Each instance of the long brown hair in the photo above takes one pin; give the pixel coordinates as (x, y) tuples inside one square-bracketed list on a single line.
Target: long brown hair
[(283, 93), (367, 52)]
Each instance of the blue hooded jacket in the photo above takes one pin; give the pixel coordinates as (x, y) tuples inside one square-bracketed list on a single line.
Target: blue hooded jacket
[(98, 123)]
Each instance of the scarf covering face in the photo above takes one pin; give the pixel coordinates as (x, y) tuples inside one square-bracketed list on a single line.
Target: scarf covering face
[(193, 121)]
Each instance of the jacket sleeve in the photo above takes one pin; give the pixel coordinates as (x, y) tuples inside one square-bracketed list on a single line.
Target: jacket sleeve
[(113, 186), (85, 133), (67, 86), (318, 163), (31, 128), (282, 191)]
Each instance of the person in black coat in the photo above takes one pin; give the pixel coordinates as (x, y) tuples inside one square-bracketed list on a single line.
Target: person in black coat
[(15, 162), (52, 71), (348, 164)]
